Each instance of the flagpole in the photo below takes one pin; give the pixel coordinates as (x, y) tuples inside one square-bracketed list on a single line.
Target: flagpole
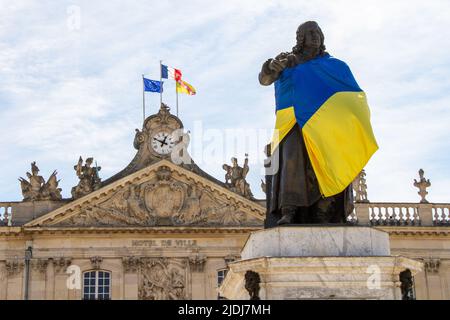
[(177, 95), (160, 81), (143, 97)]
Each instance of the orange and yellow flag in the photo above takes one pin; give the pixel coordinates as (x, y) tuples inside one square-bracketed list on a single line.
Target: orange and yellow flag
[(184, 87)]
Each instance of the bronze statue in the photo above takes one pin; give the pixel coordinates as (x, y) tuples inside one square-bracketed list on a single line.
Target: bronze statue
[(37, 189), (293, 194), (252, 281), (89, 178), (407, 285)]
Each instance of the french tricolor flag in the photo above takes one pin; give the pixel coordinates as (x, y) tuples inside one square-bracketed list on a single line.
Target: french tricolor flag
[(170, 73)]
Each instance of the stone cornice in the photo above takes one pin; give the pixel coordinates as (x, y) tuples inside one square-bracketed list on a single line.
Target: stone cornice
[(416, 231), (433, 232), (16, 232), (71, 208), (130, 230), (10, 230)]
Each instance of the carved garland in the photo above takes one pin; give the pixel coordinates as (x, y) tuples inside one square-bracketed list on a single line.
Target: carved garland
[(39, 265), (61, 264), (131, 264), (432, 265), (96, 262), (197, 262), (14, 267)]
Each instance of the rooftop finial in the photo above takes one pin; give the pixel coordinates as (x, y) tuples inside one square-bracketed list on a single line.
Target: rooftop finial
[(422, 185)]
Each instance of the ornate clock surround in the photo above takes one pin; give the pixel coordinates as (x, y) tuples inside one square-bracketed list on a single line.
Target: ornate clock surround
[(164, 122)]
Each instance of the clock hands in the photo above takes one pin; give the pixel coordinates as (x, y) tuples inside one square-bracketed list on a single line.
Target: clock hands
[(163, 142)]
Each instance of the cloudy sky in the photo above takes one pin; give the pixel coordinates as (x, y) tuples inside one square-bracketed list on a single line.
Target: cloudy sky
[(70, 81)]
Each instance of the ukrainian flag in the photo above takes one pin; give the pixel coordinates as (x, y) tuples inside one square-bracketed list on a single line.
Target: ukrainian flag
[(323, 97)]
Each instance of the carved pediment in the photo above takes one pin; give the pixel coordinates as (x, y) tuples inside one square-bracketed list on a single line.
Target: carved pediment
[(160, 195)]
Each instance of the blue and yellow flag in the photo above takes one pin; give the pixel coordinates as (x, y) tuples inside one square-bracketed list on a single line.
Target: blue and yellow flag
[(323, 97)]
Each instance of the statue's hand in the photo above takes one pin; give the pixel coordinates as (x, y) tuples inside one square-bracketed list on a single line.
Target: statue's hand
[(282, 56), (277, 65)]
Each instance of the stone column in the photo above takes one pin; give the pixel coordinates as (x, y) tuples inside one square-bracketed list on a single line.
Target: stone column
[(14, 271), (38, 269), (433, 279), (3, 281), (210, 278), (61, 291), (50, 281), (130, 278), (197, 265), (420, 285)]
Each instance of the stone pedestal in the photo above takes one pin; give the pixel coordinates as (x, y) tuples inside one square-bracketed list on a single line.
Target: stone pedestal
[(319, 262)]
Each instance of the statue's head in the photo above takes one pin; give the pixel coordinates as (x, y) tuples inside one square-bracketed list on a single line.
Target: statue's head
[(310, 36)]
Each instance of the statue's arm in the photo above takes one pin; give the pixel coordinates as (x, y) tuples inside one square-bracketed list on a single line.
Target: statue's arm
[(267, 76), (272, 69)]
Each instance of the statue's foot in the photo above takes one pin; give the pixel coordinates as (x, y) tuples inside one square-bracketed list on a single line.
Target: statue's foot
[(288, 215)]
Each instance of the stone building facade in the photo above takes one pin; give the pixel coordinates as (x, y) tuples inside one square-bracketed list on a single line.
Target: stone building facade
[(161, 230)]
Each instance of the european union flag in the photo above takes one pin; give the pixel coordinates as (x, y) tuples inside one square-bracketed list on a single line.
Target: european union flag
[(153, 85)]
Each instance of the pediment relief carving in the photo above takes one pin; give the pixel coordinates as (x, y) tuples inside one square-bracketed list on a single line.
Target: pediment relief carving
[(165, 197)]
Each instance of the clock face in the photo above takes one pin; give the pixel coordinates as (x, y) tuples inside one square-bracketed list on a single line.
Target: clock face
[(162, 143)]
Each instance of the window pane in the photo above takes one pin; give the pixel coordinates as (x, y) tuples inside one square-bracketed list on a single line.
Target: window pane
[(221, 276), (96, 285)]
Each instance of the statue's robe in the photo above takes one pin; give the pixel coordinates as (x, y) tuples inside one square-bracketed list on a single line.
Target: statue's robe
[(295, 185)]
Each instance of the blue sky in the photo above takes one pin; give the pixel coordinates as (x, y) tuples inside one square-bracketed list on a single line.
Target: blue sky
[(70, 80)]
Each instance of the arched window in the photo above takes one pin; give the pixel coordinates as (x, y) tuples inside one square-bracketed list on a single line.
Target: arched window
[(97, 285)]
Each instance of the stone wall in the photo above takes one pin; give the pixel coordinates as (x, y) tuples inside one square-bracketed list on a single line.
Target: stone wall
[(195, 257), (204, 254)]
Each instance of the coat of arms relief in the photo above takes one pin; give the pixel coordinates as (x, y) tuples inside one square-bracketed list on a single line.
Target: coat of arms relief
[(166, 199)]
